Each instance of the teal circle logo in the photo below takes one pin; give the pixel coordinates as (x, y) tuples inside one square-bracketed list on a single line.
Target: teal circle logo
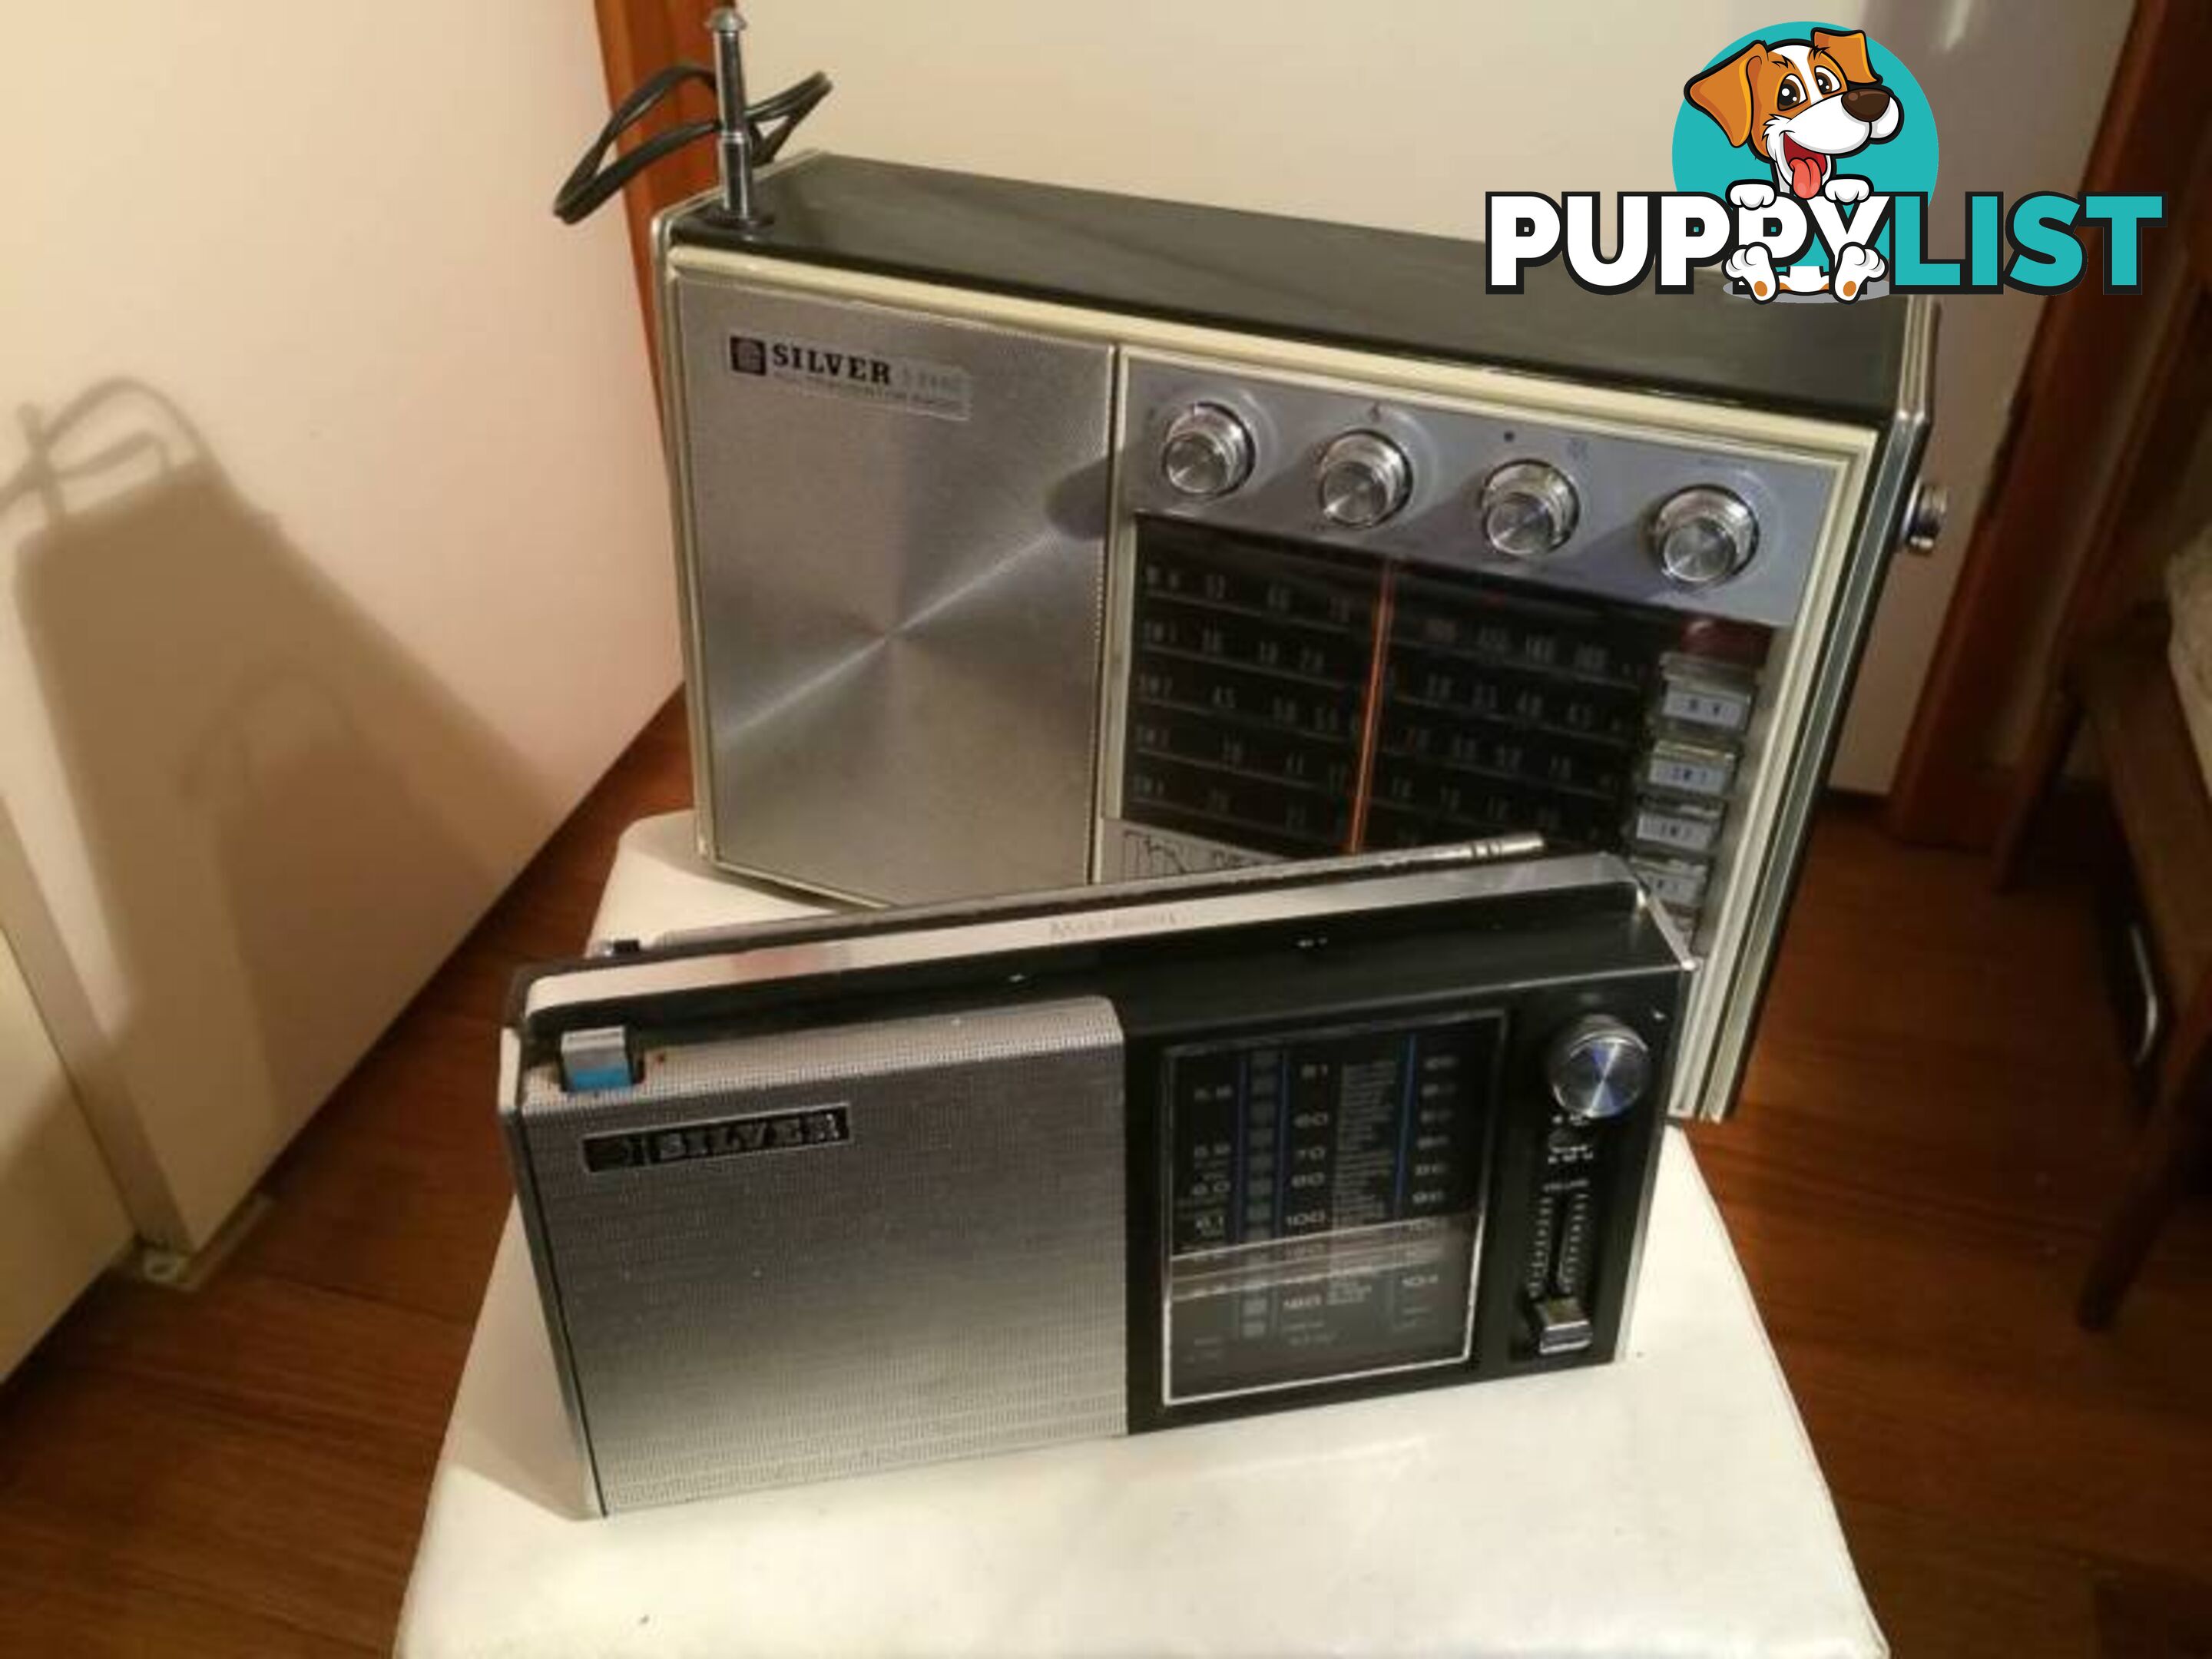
[(1797, 107)]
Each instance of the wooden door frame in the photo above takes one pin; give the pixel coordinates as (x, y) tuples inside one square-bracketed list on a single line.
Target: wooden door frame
[(1949, 787)]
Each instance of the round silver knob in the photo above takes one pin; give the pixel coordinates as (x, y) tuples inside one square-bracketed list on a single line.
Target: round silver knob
[(1529, 509), (1703, 536), (1598, 1068), (1365, 478), (1207, 452)]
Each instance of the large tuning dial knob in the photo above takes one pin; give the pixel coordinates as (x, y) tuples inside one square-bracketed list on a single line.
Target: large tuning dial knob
[(1207, 452), (1598, 1068), (1529, 509), (1363, 479), (1703, 536)]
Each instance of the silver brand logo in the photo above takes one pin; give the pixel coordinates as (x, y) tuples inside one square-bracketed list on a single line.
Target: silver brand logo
[(913, 384), (795, 1131)]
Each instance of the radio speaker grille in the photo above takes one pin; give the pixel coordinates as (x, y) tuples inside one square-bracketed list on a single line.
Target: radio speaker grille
[(941, 1278)]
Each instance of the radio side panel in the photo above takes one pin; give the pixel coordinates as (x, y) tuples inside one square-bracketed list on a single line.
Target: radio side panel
[(893, 540), (1878, 526), (796, 1256), (517, 1146)]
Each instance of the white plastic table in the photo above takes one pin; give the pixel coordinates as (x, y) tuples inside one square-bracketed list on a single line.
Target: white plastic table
[(1666, 1505)]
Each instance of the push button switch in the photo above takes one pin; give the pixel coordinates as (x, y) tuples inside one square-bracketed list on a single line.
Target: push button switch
[(1561, 1325), (598, 1060)]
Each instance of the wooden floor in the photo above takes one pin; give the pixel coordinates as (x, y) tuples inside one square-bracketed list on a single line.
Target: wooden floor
[(1933, 1119)]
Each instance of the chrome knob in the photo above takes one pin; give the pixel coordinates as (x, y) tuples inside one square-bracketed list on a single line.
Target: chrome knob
[(1598, 1068), (1365, 478), (1207, 452), (1529, 509), (1924, 519), (1703, 536)]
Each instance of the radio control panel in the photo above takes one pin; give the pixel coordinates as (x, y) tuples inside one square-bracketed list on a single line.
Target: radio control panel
[(1325, 1194), (1338, 623), (1593, 511)]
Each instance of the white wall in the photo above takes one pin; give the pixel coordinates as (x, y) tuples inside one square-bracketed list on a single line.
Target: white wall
[(374, 579), (1404, 114)]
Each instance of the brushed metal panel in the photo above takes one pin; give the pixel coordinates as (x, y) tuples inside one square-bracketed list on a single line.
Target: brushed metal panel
[(896, 634), (948, 1282)]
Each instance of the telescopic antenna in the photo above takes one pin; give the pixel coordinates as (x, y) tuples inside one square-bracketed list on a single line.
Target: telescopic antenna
[(741, 205)]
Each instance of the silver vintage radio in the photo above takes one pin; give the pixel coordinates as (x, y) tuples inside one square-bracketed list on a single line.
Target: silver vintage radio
[(842, 1194), (1030, 536)]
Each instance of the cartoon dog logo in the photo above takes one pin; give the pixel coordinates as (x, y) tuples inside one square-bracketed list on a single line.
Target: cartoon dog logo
[(1800, 105)]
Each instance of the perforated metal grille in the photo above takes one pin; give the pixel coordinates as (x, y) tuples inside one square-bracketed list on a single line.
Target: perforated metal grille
[(948, 1281)]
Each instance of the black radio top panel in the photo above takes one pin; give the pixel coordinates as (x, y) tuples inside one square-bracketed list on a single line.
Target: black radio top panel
[(1556, 907), (1350, 285)]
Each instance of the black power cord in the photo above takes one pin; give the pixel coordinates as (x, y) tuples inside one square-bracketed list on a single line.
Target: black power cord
[(593, 179)]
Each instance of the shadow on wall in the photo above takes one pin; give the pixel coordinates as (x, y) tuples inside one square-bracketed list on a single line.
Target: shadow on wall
[(287, 821)]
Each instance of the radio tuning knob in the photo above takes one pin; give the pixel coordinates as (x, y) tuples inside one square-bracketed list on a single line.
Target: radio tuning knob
[(1529, 509), (1598, 1068), (1363, 479), (1207, 452), (1703, 536)]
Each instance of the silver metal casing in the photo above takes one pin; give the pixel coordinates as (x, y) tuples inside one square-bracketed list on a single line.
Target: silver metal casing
[(788, 1244)]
